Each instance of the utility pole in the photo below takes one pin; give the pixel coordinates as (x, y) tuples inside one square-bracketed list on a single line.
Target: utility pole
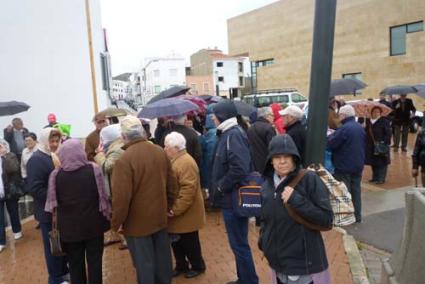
[(92, 65), (320, 80)]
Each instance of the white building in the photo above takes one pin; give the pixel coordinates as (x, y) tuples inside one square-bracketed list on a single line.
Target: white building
[(126, 86), (160, 74), (46, 61), (228, 73)]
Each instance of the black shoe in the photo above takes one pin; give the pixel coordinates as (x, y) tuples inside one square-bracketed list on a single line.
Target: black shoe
[(379, 182), (177, 272), (396, 149), (371, 180), (38, 226), (403, 149), (193, 273)]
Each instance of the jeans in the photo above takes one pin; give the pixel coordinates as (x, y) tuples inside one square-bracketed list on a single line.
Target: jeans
[(151, 257), (379, 173), (56, 265), (77, 253), (188, 250), (403, 131), (13, 210), (237, 233), (353, 183)]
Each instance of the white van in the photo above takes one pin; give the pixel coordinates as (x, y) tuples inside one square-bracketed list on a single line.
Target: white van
[(284, 97)]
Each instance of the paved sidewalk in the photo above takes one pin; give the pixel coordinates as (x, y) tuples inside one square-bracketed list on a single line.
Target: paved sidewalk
[(23, 261)]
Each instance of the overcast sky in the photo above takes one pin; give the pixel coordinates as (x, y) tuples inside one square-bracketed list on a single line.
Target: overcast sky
[(140, 29)]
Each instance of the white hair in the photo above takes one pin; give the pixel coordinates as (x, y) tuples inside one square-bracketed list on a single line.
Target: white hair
[(347, 111), (293, 111), (175, 139), (264, 111)]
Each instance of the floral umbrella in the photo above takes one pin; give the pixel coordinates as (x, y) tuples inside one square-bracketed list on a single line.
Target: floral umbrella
[(364, 108)]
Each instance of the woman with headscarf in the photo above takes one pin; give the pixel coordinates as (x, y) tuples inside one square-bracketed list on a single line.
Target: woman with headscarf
[(294, 251), (108, 152), (77, 192), (39, 167), (9, 173)]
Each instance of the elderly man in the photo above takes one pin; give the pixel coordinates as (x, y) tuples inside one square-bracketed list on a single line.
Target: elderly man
[(403, 111), (260, 133), (143, 188), (93, 140), (14, 134), (187, 216), (348, 144), (232, 163), (292, 116)]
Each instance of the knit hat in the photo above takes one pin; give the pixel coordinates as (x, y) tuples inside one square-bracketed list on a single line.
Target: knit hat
[(224, 110), (129, 122), (293, 111), (110, 133)]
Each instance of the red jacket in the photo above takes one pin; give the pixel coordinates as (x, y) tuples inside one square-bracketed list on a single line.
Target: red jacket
[(278, 120)]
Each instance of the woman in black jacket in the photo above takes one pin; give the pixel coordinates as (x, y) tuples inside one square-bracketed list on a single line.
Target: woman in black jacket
[(77, 189), (378, 130), (295, 252), (9, 174), (418, 156)]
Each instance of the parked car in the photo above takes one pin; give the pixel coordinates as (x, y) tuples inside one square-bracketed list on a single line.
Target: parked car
[(284, 97)]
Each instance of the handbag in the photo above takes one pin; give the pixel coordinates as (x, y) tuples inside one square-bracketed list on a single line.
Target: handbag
[(247, 198), (54, 237), (16, 189), (380, 148)]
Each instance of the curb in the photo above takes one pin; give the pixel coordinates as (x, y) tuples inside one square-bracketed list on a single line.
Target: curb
[(355, 260)]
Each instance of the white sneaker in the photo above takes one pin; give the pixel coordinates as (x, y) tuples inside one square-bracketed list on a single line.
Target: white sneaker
[(18, 235), (2, 247)]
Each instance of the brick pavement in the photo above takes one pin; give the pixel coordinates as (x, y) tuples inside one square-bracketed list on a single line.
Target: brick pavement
[(23, 261)]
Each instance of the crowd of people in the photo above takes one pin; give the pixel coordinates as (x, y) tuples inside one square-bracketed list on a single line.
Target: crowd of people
[(150, 193)]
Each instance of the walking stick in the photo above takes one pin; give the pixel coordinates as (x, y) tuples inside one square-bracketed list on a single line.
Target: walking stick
[(416, 181)]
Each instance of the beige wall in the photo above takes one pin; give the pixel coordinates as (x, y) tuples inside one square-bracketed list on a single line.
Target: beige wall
[(201, 63), (284, 31), (199, 82)]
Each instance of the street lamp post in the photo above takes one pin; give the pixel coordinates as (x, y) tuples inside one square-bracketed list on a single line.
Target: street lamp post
[(320, 80)]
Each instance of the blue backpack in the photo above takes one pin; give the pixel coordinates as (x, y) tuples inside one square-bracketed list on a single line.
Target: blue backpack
[(247, 198)]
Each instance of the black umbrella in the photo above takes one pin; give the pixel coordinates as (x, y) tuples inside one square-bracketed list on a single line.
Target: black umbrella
[(12, 107), (244, 108), (169, 93), (398, 90), (421, 90), (346, 86)]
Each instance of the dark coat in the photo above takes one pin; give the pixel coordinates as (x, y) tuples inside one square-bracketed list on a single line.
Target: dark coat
[(298, 133), (208, 144), (259, 135), (11, 172), (347, 145), (381, 131), (402, 115), (232, 163), (39, 167), (79, 217), (8, 136), (193, 146), (292, 248), (418, 156)]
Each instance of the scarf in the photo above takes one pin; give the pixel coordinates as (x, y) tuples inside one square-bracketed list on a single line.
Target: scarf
[(227, 124), (374, 120), (43, 145), (72, 157)]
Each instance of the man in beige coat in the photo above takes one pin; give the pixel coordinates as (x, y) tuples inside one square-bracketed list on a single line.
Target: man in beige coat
[(143, 188), (187, 215)]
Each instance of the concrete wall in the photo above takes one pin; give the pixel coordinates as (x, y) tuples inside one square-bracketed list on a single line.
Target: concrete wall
[(230, 73), (201, 63), (44, 61), (200, 82), (284, 31)]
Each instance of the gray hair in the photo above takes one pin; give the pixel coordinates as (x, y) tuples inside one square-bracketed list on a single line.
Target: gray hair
[(175, 139), (264, 111), (5, 145), (180, 119), (347, 111), (134, 132)]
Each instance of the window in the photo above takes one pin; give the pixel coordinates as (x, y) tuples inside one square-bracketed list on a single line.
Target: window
[(173, 72), (193, 87), (221, 79), (157, 89), (156, 73), (266, 62), (206, 88), (398, 37), (219, 64), (240, 67), (254, 75), (241, 81), (297, 98)]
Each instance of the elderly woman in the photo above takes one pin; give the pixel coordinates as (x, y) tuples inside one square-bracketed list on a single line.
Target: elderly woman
[(31, 147), (378, 130), (77, 190), (295, 252), (108, 152), (187, 214), (9, 173)]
